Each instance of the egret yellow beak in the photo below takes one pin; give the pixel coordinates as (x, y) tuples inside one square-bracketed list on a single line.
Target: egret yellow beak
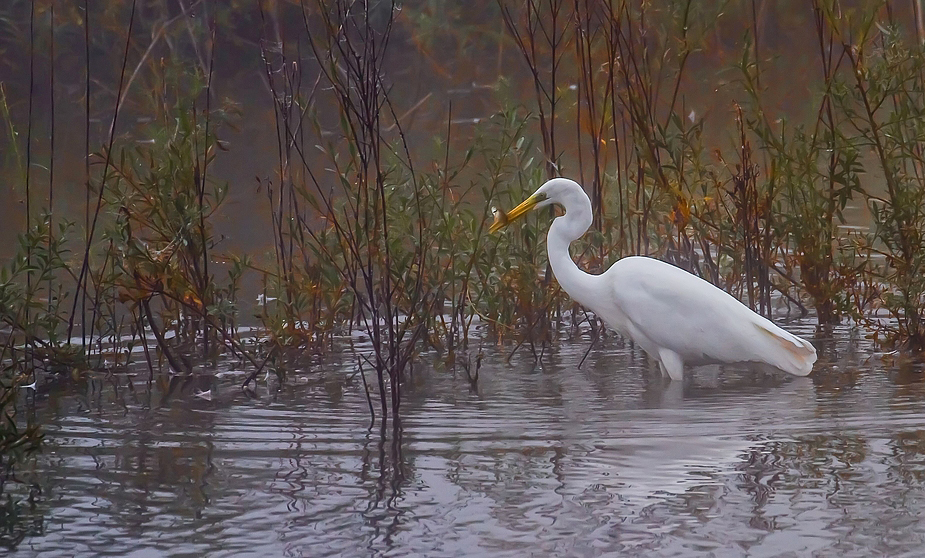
[(503, 219)]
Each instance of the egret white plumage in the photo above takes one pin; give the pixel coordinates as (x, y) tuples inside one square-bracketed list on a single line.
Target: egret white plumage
[(676, 317)]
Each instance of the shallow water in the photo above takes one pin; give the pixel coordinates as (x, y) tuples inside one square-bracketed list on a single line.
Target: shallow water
[(548, 460)]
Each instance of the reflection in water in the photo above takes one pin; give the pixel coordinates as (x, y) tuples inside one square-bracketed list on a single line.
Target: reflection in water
[(548, 460), (20, 519)]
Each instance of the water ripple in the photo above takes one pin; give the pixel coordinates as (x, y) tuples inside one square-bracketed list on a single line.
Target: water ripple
[(543, 460)]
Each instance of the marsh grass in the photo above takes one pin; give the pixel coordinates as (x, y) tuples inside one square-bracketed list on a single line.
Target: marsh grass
[(882, 97), (381, 270), (32, 317)]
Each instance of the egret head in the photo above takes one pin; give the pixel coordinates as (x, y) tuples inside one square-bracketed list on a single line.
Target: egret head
[(560, 191)]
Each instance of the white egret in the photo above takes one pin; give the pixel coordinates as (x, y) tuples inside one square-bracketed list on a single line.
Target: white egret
[(676, 317)]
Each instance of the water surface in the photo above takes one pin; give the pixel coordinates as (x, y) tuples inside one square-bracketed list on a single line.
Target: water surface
[(541, 459)]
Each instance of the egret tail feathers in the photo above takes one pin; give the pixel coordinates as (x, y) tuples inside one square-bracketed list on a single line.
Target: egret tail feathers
[(792, 354)]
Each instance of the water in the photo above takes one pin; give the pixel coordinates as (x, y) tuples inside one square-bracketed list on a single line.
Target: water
[(550, 460)]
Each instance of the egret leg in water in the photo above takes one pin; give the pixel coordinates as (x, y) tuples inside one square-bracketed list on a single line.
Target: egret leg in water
[(676, 317)]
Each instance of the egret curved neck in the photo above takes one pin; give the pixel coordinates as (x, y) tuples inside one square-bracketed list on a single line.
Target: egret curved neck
[(579, 285)]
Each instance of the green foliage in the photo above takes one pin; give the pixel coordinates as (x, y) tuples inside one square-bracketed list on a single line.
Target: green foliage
[(884, 98), (161, 205), (31, 292), (814, 175), (32, 319)]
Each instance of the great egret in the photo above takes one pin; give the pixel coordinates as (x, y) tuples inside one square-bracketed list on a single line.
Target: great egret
[(676, 317)]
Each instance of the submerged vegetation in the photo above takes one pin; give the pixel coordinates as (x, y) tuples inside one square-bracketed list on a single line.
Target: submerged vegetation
[(374, 228)]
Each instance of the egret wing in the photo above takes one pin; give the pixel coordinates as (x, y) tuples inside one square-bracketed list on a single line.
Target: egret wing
[(676, 310)]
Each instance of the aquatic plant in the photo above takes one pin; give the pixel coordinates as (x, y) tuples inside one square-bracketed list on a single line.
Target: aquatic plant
[(882, 98), (382, 271), (31, 319)]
